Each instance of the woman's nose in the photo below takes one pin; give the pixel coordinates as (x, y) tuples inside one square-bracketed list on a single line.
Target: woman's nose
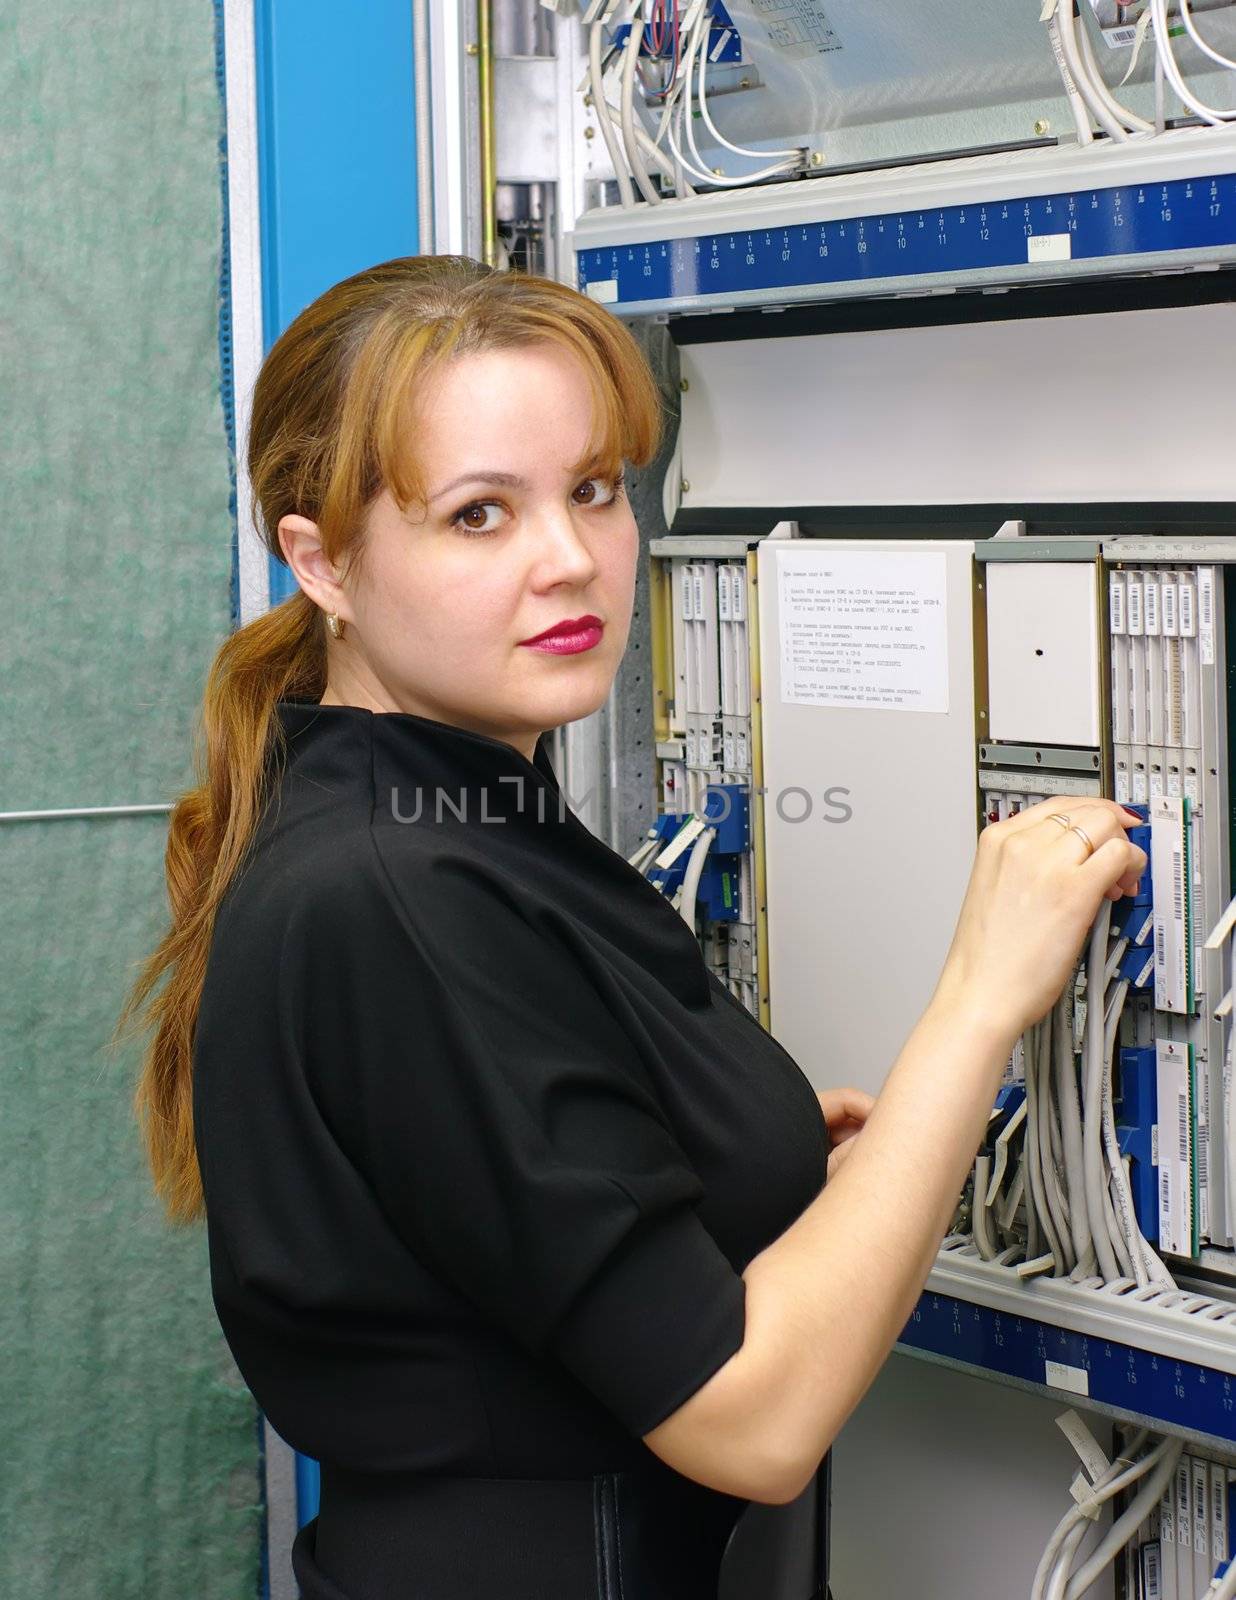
[(563, 553)]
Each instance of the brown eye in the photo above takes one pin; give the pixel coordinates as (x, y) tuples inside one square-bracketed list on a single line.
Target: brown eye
[(482, 516), (596, 492)]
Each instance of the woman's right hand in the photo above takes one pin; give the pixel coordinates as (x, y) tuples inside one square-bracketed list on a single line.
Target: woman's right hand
[(1033, 894)]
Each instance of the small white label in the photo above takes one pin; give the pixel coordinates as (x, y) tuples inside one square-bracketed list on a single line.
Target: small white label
[(604, 289), (1059, 1375), (1117, 602), (1135, 592), (1049, 247), (1089, 1451), (1188, 611), (1152, 605), (798, 28), (1171, 618), (1206, 614)]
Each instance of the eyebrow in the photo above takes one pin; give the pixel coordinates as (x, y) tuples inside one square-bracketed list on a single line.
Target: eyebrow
[(504, 480)]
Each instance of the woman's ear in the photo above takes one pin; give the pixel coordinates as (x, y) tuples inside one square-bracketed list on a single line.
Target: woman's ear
[(301, 542)]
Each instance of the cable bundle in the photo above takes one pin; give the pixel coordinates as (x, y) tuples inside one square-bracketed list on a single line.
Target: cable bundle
[(1051, 1193), (673, 43), (1058, 1577), (1094, 104)]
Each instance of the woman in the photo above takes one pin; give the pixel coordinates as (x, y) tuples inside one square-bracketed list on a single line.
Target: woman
[(517, 1219)]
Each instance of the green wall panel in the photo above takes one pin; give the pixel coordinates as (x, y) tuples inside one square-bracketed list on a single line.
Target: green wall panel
[(129, 1461)]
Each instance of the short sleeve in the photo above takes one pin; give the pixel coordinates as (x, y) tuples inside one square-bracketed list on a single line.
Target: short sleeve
[(467, 1060)]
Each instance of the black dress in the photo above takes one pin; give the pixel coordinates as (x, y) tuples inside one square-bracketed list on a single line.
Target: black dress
[(485, 1149)]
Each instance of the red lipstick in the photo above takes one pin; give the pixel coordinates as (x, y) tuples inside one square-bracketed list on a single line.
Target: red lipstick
[(569, 637)]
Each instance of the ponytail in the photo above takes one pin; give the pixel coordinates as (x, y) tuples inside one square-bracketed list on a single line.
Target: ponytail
[(281, 655)]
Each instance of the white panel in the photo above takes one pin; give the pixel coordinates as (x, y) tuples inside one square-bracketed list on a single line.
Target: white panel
[(1043, 651), (987, 413), (948, 1487), (245, 266), (861, 907)]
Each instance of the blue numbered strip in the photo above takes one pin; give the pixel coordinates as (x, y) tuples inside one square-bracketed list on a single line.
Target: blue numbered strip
[(1188, 1397), (1135, 219)]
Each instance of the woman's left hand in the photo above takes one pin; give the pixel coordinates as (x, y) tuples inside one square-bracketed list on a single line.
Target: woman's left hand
[(845, 1112)]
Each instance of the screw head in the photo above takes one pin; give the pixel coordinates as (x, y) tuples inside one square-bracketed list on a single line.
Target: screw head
[(718, 172), (1042, 126), (590, 132), (472, 48), (817, 158), (683, 385), (685, 486)]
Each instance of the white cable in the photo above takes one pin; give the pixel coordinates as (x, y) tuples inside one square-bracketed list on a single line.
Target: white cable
[(1072, 55), (640, 857), (1106, 1486), (720, 180), (1049, 1142), (1092, 1110), (685, 898), (738, 149), (1071, 1127), (1138, 1509), (1077, 106), (658, 157), (596, 83), (1186, 17), (1038, 1165), (1163, 45), (1118, 1182), (1094, 74), (630, 59), (983, 1241), (1064, 1565)]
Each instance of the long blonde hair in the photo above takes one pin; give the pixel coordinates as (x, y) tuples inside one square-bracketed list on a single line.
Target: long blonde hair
[(332, 426)]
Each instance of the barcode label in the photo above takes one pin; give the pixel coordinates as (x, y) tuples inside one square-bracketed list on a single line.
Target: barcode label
[(1171, 623), (1176, 1224), (698, 598), (1120, 38), (1152, 605), (1117, 603), (1206, 614), (724, 611), (1152, 1572), (738, 581), (1178, 884), (1188, 611), (1134, 594)]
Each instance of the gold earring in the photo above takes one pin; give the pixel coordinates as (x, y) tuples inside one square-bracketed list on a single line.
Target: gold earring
[(333, 623)]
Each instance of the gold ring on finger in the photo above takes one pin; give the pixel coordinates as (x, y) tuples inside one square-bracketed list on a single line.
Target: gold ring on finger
[(1084, 837), (1059, 816)]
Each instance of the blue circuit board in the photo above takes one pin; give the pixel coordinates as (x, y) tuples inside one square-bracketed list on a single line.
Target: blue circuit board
[(1093, 224), (1188, 1398)]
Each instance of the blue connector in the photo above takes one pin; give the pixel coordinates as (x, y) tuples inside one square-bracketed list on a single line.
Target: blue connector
[(727, 809), (1137, 924), (718, 891), (1136, 1115), (1141, 838), (1137, 965)]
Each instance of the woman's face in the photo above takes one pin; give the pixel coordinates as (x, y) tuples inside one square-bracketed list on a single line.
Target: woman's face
[(519, 534)]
